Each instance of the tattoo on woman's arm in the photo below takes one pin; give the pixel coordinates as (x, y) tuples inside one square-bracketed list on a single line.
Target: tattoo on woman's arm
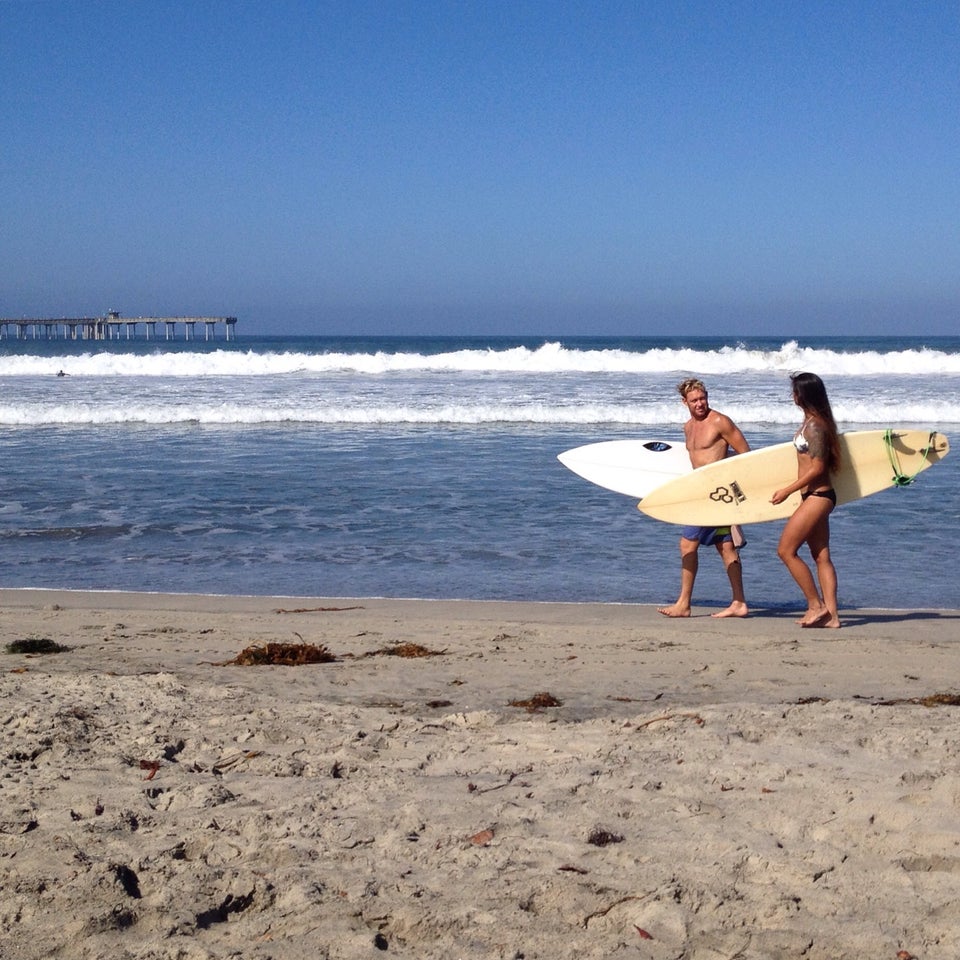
[(816, 441)]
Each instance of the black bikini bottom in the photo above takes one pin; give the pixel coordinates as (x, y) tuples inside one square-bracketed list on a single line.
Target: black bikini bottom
[(828, 494)]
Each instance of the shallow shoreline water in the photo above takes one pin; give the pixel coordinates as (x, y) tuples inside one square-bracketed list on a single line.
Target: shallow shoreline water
[(427, 466)]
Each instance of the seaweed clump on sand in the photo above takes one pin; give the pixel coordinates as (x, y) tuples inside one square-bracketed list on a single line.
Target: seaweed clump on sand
[(601, 837), (537, 702), (941, 700), (281, 654), (409, 650), (36, 645), (932, 700)]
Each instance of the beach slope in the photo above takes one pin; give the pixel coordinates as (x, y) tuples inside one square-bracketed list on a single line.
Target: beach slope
[(474, 779)]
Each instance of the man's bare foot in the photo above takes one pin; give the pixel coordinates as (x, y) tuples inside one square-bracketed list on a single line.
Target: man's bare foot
[(674, 610), (815, 618), (736, 609), (829, 623)]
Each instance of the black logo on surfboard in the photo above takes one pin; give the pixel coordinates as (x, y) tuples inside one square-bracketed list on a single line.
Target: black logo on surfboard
[(728, 494)]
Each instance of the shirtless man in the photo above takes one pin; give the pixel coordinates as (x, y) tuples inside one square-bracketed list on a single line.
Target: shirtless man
[(710, 437)]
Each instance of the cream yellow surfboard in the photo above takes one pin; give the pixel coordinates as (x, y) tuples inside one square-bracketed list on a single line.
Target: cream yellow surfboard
[(738, 489)]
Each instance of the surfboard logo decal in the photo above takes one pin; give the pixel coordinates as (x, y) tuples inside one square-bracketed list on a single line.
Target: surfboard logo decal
[(728, 494), (657, 446)]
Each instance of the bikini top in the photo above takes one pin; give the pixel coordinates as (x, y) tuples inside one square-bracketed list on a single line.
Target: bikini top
[(800, 441)]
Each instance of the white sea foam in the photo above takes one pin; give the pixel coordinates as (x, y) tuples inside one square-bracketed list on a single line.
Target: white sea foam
[(547, 385), (548, 358), (450, 414)]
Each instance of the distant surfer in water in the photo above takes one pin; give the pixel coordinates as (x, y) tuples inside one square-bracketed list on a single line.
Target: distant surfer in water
[(710, 437), (818, 456)]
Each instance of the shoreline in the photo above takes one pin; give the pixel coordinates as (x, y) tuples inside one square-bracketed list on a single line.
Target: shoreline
[(616, 648), (10, 594), (699, 788)]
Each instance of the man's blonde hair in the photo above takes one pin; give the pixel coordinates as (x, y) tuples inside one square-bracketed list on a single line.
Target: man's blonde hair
[(692, 383)]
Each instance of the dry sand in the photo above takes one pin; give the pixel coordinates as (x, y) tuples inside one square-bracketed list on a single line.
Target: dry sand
[(704, 789)]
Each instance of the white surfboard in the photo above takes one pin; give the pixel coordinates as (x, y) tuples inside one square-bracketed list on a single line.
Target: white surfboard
[(631, 467), (738, 489)]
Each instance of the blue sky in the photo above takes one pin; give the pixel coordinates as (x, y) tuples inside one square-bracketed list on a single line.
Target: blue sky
[(485, 167)]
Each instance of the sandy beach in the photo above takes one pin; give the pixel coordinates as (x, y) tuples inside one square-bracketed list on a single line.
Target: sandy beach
[(542, 781)]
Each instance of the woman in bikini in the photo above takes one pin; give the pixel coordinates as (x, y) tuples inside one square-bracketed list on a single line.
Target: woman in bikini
[(818, 456)]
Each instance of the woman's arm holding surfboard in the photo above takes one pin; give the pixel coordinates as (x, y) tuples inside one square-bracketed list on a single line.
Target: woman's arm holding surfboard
[(816, 469)]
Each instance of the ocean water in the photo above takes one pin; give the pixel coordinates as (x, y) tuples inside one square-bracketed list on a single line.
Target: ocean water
[(426, 467)]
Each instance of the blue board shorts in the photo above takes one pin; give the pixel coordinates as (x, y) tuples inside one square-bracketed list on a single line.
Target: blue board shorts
[(710, 536)]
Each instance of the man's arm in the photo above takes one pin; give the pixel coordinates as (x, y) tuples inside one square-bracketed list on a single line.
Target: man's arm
[(731, 433)]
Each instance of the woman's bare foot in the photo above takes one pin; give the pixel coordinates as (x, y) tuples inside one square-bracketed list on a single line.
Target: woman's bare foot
[(736, 609), (674, 610)]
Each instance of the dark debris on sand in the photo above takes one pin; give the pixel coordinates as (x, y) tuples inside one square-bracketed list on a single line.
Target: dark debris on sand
[(281, 654), (36, 645), (537, 702), (410, 650)]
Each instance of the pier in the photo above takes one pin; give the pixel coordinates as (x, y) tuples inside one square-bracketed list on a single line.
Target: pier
[(115, 327)]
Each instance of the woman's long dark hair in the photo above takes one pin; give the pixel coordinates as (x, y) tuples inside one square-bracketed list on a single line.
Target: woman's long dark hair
[(810, 394)]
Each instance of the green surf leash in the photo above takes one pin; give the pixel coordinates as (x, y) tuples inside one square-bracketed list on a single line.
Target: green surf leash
[(900, 479)]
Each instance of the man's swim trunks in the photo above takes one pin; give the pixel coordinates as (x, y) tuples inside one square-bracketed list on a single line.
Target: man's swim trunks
[(708, 536)]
